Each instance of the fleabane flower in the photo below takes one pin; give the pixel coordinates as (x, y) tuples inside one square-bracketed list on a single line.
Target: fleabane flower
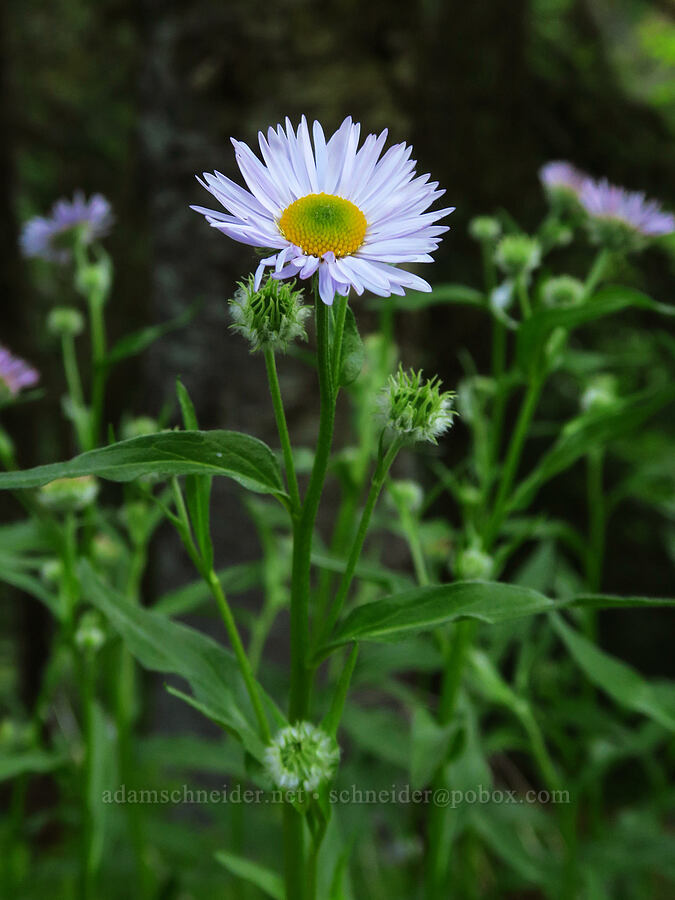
[(15, 374), (562, 182), (301, 757), (415, 408), (331, 207), (621, 219), (269, 316), (53, 237)]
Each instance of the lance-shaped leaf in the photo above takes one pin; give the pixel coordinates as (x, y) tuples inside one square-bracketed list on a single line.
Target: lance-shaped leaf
[(238, 456), (490, 602), (165, 646), (592, 430), (605, 302), (617, 679), (442, 294)]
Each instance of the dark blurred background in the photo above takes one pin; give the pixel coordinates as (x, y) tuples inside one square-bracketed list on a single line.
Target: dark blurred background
[(132, 98)]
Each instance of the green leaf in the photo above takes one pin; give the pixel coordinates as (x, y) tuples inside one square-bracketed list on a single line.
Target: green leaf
[(14, 764), (605, 302), (591, 430), (27, 583), (245, 459), (427, 607), (269, 882), (491, 602), (138, 341), (441, 295), (165, 646), (353, 353), (622, 683)]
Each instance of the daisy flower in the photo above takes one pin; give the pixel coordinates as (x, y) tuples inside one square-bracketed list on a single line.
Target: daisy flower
[(15, 374), (350, 214), (614, 210), (562, 176), (51, 237)]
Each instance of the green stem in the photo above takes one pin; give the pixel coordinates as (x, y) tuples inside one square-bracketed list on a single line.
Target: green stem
[(410, 526), (294, 854), (597, 272), (338, 331), (282, 427), (88, 862), (210, 577), (596, 517), (98, 351), (383, 465), (303, 528), (75, 391), (523, 297), (240, 653), (515, 450)]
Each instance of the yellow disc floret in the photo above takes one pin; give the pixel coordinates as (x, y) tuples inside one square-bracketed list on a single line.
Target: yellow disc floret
[(318, 223)]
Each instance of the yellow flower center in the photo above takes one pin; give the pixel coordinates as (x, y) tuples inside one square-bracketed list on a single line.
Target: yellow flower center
[(318, 223)]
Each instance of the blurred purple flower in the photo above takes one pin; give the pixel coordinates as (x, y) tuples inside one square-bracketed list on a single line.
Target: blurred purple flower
[(50, 237), (562, 176), (630, 209), (15, 374)]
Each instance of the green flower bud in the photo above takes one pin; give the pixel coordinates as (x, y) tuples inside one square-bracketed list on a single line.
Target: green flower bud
[(415, 409), (270, 317), (64, 320), (485, 228), (301, 757), (51, 571), (106, 550), (473, 564), (518, 254), (135, 517), (93, 280), (601, 393), (69, 494), (562, 291), (406, 495), (90, 635), (139, 426)]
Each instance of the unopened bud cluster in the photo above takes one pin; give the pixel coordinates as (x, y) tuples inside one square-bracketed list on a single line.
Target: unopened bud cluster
[(564, 290), (270, 317), (64, 320), (69, 494), (485, 228), (415, 408), (518, 254), (301, 757), (472, 564)]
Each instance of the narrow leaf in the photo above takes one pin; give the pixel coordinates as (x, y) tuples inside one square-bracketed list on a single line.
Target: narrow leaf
[(245, 459), (269, 882)]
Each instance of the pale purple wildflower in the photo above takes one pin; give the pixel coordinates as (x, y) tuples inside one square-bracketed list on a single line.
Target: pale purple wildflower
[(50, 237), (631, 209), (15, 374), (331, 208), (562, 176)]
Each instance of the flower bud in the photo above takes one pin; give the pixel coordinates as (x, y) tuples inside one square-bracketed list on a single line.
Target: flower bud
[(69, 494), (301, 757), (51, 571), (64, 320), (601, 393), (270, 317), (473, 564), (90, 635), (415, 409), (518, 254), (406, 495), (106, 551), (93, 279), (6, 447), (139, 426), (485, 228), (562, 291)]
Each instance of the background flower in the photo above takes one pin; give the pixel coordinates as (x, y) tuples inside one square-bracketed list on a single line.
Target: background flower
[(15, 374), (52, 237)]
